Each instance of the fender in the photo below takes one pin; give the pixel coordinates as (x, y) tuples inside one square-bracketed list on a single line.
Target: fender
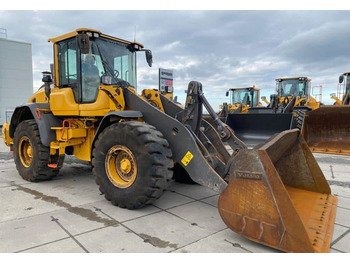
[(114, 116), (44, 120)]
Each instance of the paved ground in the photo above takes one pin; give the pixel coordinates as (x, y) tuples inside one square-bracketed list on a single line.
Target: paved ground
[(68, 214)]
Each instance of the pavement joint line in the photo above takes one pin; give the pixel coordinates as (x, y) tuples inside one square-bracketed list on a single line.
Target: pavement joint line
[(173, 191), (340, 237), (341, 225), (171, 251), (120, 223), (92, 230), (337, 250), (341, 196), (203, 198), (69, 234), (192, 223), (208, 204), (131, 219), (22, 250), (238, 245), (174, 206), (343, 207)]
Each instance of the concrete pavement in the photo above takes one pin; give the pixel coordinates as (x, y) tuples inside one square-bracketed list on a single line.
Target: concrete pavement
[(68, 214)]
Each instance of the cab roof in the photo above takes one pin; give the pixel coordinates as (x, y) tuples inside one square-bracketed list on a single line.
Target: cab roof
[(239, 88), (346, 73), (291, 78), (81, 30)]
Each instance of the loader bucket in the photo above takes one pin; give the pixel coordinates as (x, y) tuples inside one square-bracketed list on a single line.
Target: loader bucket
[(327, 130), (256, 128), (278, 196)]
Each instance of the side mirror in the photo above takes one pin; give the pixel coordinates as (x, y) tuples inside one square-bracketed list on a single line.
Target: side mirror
[(83, 43), (341, 79), (47, 79), (149, 57), (169, 89), (226, 93)]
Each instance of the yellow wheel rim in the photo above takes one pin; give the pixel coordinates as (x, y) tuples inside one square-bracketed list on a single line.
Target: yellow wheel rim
[(121, 166), (25, 151)]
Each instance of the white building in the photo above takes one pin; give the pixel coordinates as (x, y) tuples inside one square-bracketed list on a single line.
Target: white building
[(16, 76)]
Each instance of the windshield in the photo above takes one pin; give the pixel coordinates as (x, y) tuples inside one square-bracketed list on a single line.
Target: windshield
[(119, 58), (243, 96), (292, 87), (106, 57)]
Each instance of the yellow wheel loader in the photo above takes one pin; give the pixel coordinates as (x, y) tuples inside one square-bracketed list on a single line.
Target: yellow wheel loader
[(285, 111), (343, 90), (275, 194), (241, 99), (327, 129)]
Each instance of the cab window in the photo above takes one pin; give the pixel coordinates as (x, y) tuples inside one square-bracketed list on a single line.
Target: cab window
[(67, 65)]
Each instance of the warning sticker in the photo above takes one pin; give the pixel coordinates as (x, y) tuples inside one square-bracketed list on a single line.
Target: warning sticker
[(187, 158)]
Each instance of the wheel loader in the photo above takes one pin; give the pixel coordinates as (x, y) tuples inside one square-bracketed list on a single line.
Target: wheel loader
[(241, 99), (275, 194), (343, 90), (285, 111), (327, 129)]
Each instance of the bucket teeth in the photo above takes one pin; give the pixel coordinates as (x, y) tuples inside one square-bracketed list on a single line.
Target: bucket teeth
[(273, 200)]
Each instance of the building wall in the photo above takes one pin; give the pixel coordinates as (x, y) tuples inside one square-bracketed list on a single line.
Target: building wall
[(16, 75)]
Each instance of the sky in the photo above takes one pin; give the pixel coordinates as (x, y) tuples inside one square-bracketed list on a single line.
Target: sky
[(220, 49)]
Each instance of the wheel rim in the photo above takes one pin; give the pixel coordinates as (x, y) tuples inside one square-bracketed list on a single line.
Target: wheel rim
[(25, 150), (121, 166)]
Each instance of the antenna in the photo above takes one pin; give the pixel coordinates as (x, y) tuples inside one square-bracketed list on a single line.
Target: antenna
[(135, 33)]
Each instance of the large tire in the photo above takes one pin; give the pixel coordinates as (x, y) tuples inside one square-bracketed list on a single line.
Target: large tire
[(300, 113), (149, 166), (30, 155)]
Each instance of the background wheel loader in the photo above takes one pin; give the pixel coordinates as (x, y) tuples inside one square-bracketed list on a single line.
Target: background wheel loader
[(327, 129), (241, 99), (275, 194), (285, 111)]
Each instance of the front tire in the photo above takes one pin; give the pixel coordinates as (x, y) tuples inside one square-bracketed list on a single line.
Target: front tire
[(132, 164), (30, 155), (300, 114)]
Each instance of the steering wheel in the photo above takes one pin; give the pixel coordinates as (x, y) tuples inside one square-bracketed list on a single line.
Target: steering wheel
[(116, 73)]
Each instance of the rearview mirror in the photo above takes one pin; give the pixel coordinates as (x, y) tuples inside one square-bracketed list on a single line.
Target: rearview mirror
[(83, 43), (341, 79), (149, 57), (226, 93)]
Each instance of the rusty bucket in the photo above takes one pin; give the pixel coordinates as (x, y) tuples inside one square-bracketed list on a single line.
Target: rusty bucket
[(278, 196), (327, 129)]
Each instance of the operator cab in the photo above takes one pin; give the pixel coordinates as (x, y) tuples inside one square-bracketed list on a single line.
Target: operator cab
[(294, 86), (86, 59)]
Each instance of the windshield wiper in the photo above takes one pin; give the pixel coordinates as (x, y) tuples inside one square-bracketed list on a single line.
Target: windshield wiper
[(119, 82)]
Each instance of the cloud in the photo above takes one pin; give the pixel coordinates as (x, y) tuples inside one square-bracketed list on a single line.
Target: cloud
[(221, 49)]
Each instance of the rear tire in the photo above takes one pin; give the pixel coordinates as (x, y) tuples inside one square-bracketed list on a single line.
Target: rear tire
[(30, 155), (132, 164)]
